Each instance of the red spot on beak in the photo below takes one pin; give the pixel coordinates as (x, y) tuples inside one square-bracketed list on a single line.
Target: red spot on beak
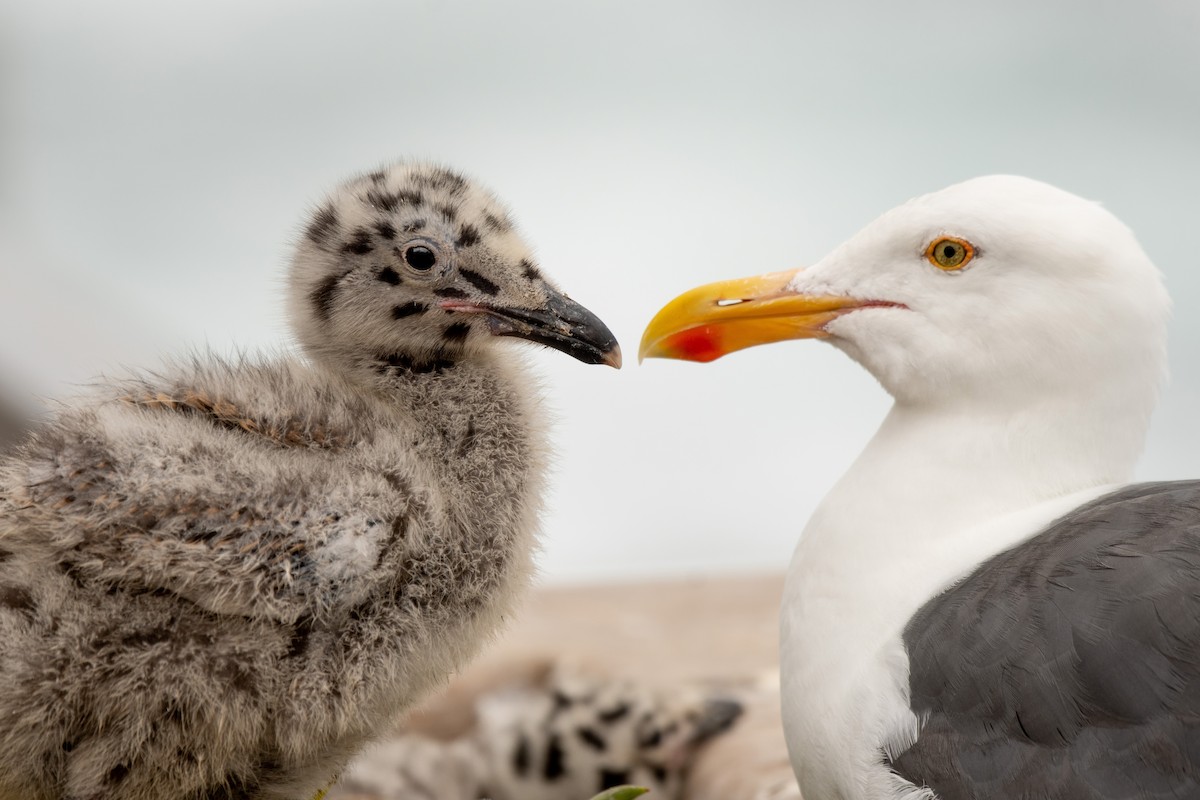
[(696, 344)]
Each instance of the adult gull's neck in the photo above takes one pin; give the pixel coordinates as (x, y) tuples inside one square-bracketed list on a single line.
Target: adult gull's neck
[(935, 493)]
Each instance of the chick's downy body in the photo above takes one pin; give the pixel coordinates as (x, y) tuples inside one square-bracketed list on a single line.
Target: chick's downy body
[(222, 580)]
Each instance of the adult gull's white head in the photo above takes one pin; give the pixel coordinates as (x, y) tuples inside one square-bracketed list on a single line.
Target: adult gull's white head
[(997, 293), (999, 284)]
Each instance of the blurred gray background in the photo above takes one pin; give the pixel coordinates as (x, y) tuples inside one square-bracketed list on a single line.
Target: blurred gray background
[(156, 159)]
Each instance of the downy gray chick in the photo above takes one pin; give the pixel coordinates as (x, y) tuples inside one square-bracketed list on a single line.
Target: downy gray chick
[(222, 580)]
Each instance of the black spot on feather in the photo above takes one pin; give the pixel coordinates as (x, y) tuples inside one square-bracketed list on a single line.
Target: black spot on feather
[(415, 225), (451, 181), (146, 638), (323, 295), (377, 176), (529, 270), (616, 714), (381, 200), (555, 765), (613, 777), (448, 211), (17, 599), (468, 235), (360, 244), (521, 757), (497, 224), (171, 712), (456, 332), (117, 774), (651, 738), (410, 197), (398, 483), (450, 292), (479, 282), (72, 573), (401, 363), (436, 365), (409, 309), (301, 633), (235, 674), (592, 739), (389, 275), (399, 529), (468, 440), (324, 223), (385, 229), (398, 360)]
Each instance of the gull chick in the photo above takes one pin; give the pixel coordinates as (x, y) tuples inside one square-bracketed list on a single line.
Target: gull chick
[(223, 579)]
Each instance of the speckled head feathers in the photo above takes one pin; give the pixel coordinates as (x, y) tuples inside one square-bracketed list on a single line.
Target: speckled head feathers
[(417, 263)]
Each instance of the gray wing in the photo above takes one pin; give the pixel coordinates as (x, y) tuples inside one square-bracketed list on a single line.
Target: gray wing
[(1069, 666)]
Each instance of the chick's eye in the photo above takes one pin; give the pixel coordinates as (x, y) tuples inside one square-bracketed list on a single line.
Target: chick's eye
[(420, 257), (950, 253)]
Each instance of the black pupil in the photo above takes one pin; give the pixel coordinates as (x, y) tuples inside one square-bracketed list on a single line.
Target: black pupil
[(948, 252), (419, 257)]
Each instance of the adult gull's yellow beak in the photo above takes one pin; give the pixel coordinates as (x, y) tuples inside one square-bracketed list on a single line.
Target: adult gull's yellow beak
[(710, 321)]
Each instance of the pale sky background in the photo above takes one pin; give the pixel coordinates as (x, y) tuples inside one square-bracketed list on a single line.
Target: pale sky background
[(156, 159)]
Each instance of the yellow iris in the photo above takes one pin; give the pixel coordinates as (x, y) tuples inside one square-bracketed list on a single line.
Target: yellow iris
[(950, 253)]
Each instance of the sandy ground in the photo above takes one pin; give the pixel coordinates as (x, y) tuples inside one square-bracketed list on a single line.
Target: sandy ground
[(661, 633), (719, 631)]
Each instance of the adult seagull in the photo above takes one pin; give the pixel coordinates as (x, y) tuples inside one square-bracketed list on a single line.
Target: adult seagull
[(983, 606)]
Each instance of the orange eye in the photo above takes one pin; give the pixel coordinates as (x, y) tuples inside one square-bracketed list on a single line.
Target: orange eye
[(950, 253)]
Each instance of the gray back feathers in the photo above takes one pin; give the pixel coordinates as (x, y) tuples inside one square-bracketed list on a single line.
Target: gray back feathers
[(1068, 666)]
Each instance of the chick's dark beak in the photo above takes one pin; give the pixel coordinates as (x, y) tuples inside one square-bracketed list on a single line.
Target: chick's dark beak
[(560, 323)]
